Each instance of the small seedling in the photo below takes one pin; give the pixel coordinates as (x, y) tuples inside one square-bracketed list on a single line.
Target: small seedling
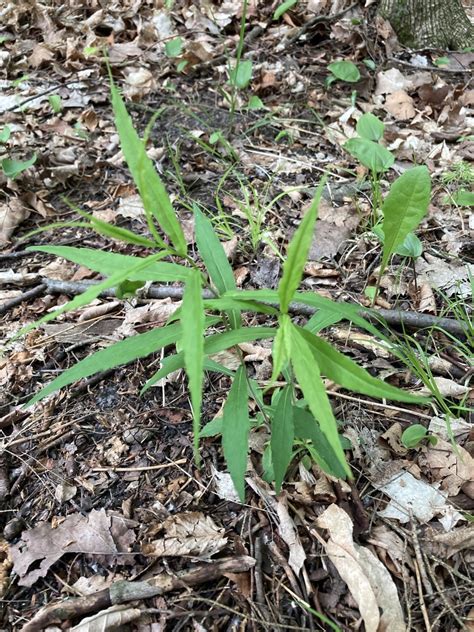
[(283, 8), (343, 71), (414, 435), (174, 47), (55, 103)]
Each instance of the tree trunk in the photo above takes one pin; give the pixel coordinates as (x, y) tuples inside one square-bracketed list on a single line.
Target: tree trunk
[(429, 23)]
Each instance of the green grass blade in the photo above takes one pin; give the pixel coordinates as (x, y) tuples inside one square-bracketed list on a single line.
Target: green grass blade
[(193, 323), (116, 232), (235, 431), (307, 373), (215, 260), (119, 353), (108, 263), (341, 369), (282, 436), (152, 191), (298, 252), (404, 208)]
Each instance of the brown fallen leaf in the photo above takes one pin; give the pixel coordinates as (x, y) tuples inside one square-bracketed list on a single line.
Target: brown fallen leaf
[(400, 105), (453, 468), (12, 213), (188, 533), (366, 577), (43, 545)]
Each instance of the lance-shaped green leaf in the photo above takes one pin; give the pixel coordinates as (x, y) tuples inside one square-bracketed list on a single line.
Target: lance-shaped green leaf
[(341, 369), (404, 208), (212, 344), (308, 374), (215, 260), (119, 353), (298, 252), (192, 341), (282, 436), (281, 346), (117, 232), (152, 191), (92, 292), (108, 263), (235, 431), (306, 427)]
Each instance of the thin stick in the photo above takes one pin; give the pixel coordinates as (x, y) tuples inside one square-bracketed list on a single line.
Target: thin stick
[(144, 468)]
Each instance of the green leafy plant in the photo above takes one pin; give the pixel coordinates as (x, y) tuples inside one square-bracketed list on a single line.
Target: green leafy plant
[(343, 71), (403, 209), (368, 150), (415, 434), (300, 411), (11, 167), (55, 103)]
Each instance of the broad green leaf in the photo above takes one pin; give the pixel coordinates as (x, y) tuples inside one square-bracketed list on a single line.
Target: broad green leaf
[(414, 435), (91, 293), (212, 344), (341, 369), (308, 375), (370, 127), (241, 75), (345, 71), (282, 436), (411, 247), (306, 427), (212, 428), (152, 191), (404, 208), (215, 260), (5, 134), (372, 155), (119, 353), (174, 47), (235, 431), (255, 103), (283, 8), (108, 263), (192, 341), (12, 168), (298, 252)]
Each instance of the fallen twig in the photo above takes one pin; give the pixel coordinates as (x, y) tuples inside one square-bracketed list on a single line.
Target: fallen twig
[(124, 591), (393, 317), (24, 296)]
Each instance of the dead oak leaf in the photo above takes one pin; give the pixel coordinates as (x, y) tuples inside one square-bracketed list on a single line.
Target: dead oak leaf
[(95, 533), (400, 105), (188, 533)]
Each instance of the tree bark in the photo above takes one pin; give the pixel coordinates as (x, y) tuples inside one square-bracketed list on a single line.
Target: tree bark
[(429, 23)]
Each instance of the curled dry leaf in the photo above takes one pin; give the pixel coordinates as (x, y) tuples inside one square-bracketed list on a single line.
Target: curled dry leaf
[(188, 533), (400, 105), (366, 577), (12, 213)]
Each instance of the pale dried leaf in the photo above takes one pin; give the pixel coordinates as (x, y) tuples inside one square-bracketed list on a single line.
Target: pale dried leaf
[(12, 214), (109, 619), (224, 486), (367, 579), (453, 468), (400, 105)]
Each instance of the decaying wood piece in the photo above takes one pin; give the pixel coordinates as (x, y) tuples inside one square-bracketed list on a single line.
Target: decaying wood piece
[(124, 591)]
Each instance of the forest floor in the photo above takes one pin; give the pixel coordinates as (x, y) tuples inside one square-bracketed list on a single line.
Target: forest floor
[(99, 484)]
